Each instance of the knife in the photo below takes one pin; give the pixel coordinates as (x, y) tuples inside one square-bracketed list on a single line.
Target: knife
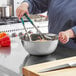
[(68, 65)]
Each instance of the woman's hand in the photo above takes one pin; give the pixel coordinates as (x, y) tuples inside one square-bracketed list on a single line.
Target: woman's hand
[(63, 37), (23, 8)]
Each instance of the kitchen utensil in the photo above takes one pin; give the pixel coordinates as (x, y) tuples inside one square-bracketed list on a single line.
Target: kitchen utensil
[(27, 37), (43, 36), (40, 47), (73, 64)]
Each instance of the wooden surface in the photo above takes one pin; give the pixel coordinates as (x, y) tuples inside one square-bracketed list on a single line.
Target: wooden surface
[(34, 69)]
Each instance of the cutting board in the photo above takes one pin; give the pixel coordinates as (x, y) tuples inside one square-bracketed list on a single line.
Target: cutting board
[(34, 69)]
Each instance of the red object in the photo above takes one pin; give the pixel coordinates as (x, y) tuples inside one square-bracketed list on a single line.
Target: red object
[(2, 34), (44, 16), (4, 40)]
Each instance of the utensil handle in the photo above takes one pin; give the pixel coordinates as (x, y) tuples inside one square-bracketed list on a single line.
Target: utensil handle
[(22, 21), (72, 64), (24, 25), (25, 28), (28, 18)]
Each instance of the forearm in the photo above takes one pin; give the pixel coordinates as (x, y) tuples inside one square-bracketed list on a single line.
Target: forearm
[(71, 32), (74, 30), (37, 6)]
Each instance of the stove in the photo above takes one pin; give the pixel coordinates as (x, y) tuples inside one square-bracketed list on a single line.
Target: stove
[(10, 20), (13, 26)]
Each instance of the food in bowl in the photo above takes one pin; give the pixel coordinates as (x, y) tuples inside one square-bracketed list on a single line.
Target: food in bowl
[(42, 40)]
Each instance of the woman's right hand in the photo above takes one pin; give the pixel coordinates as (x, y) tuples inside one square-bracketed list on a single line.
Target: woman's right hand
[(23, 8)]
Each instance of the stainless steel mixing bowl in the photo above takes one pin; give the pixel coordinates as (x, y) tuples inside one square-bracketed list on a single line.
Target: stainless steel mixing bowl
[(41, 47)]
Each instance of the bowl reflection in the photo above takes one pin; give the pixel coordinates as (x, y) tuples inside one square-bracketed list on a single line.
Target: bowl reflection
[(31, 60)]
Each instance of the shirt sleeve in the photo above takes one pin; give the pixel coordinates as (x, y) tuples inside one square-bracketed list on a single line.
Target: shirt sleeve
[(37, 6), (74, 29)]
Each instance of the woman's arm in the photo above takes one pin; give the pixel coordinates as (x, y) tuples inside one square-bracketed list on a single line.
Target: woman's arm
[(32, 6), (74, 30), (37, 6)]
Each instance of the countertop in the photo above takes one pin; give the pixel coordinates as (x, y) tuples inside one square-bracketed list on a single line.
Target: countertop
[(13, 58)]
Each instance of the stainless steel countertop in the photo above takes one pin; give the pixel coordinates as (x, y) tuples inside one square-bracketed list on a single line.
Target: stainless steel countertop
[(13, 58)]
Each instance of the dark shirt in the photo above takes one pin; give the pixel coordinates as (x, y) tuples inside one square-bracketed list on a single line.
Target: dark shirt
[(61, 15)]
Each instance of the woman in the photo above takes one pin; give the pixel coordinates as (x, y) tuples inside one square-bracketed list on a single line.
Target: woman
[(61, 15)]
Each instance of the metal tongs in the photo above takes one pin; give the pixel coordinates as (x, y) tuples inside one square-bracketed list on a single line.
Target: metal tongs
[(27, 37), (42, 35), (68, 65)]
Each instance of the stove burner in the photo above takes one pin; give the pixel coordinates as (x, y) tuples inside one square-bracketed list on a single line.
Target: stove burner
[(10, 20)]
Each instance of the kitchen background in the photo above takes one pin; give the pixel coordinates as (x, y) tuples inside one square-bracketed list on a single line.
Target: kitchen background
[(14, 58), (13, 3), (10, 24)]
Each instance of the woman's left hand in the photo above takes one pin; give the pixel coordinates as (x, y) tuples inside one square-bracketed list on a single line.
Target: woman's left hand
[(63, 37)]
